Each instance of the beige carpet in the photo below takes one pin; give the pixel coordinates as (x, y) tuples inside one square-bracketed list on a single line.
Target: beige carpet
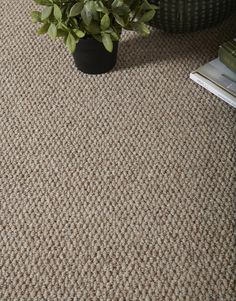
[(114, 187)]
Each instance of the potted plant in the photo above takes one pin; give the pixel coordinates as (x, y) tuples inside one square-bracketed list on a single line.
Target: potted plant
[(91, 29)]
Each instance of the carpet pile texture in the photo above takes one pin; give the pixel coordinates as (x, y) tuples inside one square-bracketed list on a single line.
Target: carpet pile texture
[(119, 186)]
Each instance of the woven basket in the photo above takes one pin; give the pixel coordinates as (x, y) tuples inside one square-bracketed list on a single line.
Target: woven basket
[(191, 15)]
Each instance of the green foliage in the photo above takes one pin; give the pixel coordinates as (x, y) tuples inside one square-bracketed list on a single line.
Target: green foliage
[(101, 19)]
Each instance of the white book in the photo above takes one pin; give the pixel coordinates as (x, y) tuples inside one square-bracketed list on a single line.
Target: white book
[(218, 79)]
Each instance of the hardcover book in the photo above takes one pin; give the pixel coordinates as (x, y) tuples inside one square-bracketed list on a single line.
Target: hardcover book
[(218, 79)]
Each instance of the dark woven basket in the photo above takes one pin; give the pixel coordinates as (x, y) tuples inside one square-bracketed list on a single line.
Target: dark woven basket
[(191, 15)]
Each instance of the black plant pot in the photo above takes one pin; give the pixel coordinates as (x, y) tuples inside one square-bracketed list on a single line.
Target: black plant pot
[(91, 57)]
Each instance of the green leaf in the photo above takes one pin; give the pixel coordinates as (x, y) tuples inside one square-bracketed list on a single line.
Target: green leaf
[(117, 3), (70, 43), (76, 9), (88, 12), (52, 31), (148, 16), (79, 33), (101, 8), (61, 33), (65, 38), (43, 2), (147, 6), (86, 16), (141, 28), (57, 12), (107, 42), (36, 16), (46, 13), (93, 28), (62, 26), (114, 35), (105, 22), (75, 22), (119, 20), (120, 8), (43, 29)]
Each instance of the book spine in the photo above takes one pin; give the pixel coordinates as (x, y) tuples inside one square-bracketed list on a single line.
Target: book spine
[(227, 57)]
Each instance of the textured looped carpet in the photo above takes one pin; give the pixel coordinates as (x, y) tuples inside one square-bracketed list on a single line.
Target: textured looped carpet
[(113, 187)]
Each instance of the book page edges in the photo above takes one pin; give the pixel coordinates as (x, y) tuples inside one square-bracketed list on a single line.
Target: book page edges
[(214, 88)]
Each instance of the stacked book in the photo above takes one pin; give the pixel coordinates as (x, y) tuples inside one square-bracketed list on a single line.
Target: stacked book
[(219, 75)]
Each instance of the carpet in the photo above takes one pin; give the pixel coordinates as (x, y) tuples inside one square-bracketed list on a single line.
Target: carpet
[(119, 186)]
